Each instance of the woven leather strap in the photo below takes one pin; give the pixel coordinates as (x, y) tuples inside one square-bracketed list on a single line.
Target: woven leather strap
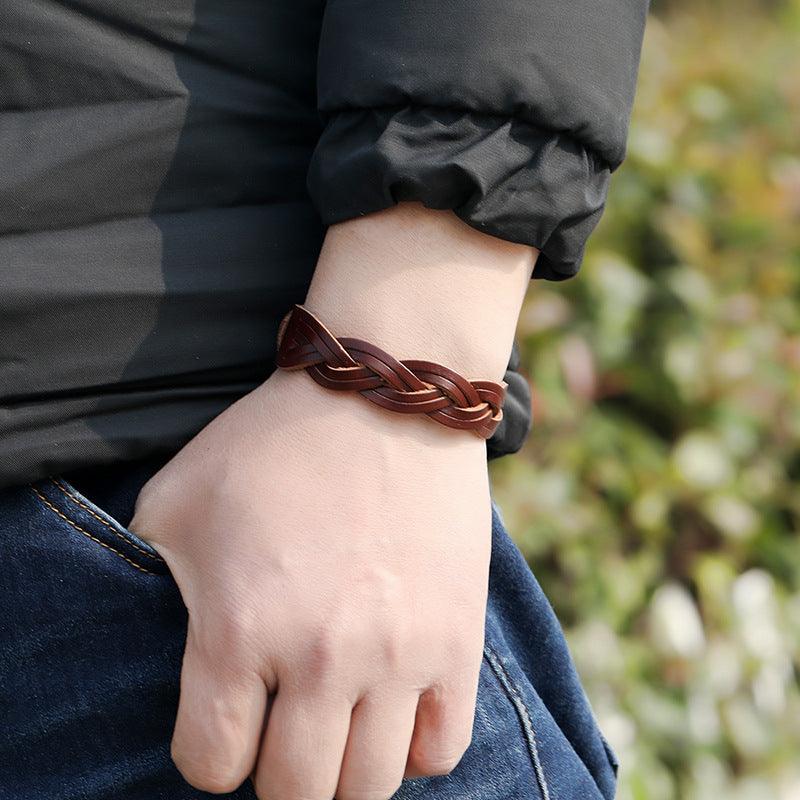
[(408, 386)]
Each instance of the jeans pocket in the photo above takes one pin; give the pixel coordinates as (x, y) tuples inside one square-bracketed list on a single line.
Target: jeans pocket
[(560, 770), (92, 635), (527, 731), (83, 517), (531, 658)]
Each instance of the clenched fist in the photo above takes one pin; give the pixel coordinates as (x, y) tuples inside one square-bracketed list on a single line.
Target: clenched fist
[(334, 561)]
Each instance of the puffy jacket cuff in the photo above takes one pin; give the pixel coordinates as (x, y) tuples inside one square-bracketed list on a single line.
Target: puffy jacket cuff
[(501, 175)]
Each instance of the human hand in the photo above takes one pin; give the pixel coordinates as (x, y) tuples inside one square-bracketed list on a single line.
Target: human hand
[(334, 557)]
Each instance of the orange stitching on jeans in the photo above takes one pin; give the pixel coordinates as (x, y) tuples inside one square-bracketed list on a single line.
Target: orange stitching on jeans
[(103, 521), (87, 534)]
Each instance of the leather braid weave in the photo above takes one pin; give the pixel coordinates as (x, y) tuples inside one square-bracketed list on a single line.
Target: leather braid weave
[(408, 386)]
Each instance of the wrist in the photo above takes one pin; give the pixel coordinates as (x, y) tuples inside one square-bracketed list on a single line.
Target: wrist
[(422, 284), (301, 399)]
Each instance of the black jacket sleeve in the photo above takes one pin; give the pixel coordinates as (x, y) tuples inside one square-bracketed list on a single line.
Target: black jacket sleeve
[(513, 113)]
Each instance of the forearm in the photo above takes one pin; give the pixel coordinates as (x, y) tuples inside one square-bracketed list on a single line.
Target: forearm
[(423, 284)]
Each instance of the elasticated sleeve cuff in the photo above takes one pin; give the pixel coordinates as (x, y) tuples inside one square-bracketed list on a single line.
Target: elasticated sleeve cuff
[(501, 175)]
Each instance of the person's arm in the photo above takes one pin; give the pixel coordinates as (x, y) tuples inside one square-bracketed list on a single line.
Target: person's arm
[(329, 551), (336, 553)]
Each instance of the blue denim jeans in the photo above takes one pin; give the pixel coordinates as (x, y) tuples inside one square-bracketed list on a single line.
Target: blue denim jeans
[(92, 631)]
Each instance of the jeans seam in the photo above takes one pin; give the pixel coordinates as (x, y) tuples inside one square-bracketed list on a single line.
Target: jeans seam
[(102, 521), (86, 533), (523, 712)]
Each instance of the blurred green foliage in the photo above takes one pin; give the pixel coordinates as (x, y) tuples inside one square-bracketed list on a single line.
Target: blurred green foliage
[(657, 496)]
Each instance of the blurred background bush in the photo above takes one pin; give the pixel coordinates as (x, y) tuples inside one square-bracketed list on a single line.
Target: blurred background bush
[(657, 497)]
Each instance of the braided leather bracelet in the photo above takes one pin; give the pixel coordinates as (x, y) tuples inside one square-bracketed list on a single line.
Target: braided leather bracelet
[(408, 386)]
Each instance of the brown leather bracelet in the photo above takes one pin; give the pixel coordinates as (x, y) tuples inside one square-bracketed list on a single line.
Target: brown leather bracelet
[(409, 386)]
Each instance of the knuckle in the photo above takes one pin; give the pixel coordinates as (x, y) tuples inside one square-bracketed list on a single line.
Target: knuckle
[(236, 628), (203, 774), (230, 639), (438, 762), (323, 656), (396, 643)]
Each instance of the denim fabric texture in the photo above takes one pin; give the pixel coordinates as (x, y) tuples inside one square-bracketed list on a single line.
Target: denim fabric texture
[(92, 631)]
